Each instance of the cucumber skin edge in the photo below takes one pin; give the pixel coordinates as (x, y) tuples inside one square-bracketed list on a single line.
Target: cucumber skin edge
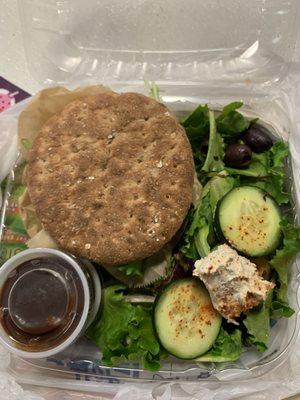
[(153, 317), (222, 238)]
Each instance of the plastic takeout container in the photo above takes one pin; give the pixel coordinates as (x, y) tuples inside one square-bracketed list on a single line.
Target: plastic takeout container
[(197, 52)]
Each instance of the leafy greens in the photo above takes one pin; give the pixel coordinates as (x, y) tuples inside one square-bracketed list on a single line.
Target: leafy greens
[(197, 126), (267, 171), (15, 223), (230, 122), (280, 308), (257, 169), (257, 322), (125, 332), (132, 269), (196, 240), (215, 153), (283, 256), (227, 347), (201, 124)]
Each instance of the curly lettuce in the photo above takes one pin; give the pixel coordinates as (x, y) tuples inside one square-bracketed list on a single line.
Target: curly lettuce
[(227, 347), (283, 256), (257, 321), (124, 332)]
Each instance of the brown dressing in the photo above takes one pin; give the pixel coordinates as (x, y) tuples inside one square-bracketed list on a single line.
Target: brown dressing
[(41, 303)]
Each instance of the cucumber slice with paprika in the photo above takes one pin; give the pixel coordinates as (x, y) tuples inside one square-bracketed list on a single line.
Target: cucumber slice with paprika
[(186, 323), (249, 220)]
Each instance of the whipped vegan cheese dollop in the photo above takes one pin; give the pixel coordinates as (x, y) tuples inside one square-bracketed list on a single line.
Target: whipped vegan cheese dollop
[(233, 282)]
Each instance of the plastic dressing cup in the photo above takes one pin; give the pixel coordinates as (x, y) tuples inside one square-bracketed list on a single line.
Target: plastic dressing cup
[(47, 300)]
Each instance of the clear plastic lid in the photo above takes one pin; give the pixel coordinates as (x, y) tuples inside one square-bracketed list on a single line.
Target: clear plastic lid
[(187, 42)]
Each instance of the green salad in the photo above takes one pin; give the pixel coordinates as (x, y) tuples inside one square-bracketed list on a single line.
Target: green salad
[(221, 283), (244, 210)]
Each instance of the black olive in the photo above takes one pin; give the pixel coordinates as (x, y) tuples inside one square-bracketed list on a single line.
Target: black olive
[(204, 147), (257, 138), (237, 155)]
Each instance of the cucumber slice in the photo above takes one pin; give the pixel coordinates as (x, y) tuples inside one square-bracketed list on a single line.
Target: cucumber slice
[(186, 323), (249, 220)]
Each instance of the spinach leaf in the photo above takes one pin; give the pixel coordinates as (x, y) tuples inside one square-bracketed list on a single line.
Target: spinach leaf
[(197, 128), (231, 123), (198, 120)]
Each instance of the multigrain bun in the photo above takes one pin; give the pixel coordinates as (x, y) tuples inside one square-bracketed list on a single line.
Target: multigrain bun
[(111, 177)]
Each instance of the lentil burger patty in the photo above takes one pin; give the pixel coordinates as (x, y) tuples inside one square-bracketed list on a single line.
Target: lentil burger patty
[(111, 177)]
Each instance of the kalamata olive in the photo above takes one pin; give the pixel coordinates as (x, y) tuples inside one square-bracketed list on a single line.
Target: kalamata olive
[(204, 146), (237, 155), (257, 138)]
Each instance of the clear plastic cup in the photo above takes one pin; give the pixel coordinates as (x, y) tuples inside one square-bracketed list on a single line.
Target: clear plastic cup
[(70, 289)]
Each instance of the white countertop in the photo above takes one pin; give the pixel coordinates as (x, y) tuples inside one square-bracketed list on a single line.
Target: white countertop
[(13, 65)]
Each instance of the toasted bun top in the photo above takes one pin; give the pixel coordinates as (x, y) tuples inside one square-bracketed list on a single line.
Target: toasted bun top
[(111, 177)]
